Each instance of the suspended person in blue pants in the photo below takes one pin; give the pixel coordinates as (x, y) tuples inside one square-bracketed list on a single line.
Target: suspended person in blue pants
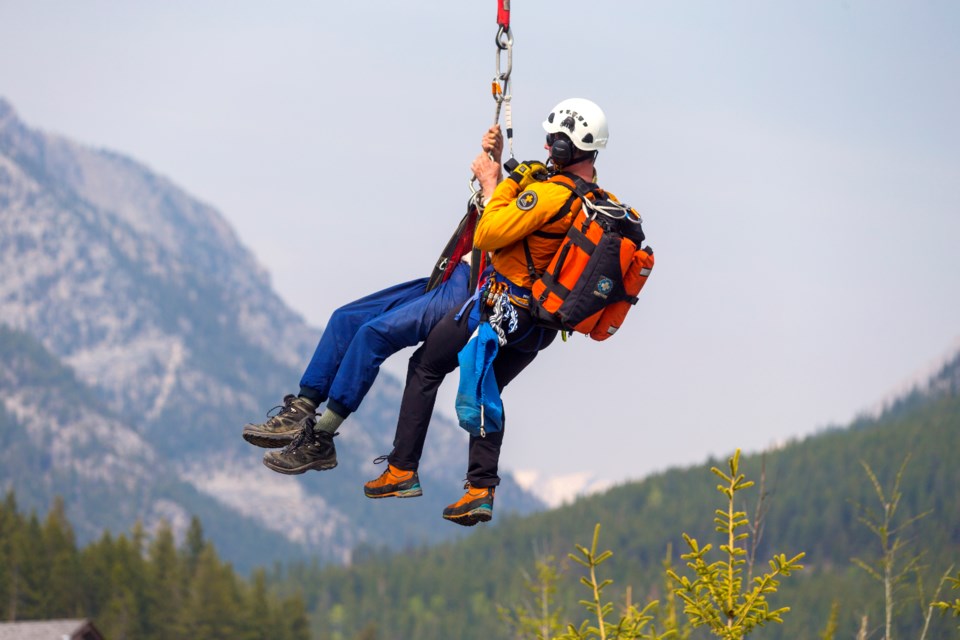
[(358, 338)]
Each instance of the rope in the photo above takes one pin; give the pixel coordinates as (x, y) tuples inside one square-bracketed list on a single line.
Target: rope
[(500, 87)]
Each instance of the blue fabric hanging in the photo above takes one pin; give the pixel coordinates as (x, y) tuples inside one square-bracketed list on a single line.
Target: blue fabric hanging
[(479, 407)]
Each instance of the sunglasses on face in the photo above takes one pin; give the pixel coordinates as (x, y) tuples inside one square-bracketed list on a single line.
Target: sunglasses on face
[(553, 137)]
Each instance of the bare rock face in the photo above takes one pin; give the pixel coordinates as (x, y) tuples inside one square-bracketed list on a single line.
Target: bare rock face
[(166, 338)]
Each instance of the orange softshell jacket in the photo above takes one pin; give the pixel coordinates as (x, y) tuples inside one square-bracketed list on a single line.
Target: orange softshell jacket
[(546, 208)]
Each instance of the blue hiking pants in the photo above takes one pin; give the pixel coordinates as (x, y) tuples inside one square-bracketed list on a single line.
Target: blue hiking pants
[(365, 332)]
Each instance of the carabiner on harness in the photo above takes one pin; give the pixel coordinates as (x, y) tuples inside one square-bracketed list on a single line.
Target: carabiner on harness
[(476, 196), (612, 210), (495, 303)]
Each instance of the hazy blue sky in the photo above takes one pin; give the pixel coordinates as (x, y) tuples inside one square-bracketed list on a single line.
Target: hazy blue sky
[(797, 164)]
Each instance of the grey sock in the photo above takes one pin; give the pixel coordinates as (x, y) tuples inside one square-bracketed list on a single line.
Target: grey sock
[(329, 422)]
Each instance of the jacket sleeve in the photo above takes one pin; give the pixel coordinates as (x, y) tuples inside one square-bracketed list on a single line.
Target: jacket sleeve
[(511, 216)]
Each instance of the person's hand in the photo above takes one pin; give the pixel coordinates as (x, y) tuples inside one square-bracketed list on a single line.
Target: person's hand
[(492, 142), (487, 172), (529, 171)]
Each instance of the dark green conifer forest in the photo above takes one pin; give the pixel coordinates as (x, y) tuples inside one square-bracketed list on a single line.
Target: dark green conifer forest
[(132, 587), (820, 497), (817, 491)]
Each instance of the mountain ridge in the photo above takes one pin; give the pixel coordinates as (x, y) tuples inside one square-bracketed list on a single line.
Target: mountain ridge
[(150, 298), (816, 496)]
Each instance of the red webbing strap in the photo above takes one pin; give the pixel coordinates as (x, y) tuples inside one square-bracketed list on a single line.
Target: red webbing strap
[(452, 252), (464, 243), (503, 13), (461, 247)]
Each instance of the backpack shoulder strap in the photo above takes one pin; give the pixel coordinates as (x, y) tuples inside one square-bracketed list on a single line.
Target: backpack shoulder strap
[(581, 189)]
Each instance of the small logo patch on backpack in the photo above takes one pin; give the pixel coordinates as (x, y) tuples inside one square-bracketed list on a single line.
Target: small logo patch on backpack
[(604, 287)]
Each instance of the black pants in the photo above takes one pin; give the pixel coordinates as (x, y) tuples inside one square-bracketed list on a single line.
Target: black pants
[(437, 357)]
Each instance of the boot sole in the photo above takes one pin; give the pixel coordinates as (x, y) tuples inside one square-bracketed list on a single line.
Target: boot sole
[(402, 493), (295, 471), (472, 517), (269, 440)]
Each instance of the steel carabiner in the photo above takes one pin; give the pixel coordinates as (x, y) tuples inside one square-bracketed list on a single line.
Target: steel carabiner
[(504, 38), (501, 80)]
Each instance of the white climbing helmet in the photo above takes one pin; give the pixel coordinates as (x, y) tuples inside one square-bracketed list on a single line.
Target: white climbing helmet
[(582, 120)]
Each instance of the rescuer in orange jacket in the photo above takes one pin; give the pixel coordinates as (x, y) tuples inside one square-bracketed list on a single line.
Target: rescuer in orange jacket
[(539, 212), (521, 208)]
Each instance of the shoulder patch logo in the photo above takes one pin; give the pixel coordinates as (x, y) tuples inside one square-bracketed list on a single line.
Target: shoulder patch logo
[(527, 200)]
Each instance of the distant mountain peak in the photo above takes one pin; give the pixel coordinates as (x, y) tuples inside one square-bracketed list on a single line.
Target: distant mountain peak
[(940, 375), (8, 117), (6, 109), (557, 490), (148, 296)]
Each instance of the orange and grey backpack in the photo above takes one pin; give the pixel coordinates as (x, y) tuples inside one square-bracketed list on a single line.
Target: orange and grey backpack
[(598, 271)]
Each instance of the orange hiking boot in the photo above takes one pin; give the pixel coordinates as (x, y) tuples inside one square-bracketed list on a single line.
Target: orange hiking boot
[(475, 506), (393, 482)]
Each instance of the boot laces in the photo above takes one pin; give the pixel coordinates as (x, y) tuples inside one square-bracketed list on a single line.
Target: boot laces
[(298, 440), (388, 471), (286, 407), (307, 435), (469, 487)]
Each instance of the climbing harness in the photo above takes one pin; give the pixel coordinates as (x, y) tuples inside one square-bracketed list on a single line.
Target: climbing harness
[(478, 403)]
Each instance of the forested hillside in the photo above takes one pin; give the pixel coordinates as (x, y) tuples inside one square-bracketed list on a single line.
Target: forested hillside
[(57, 438), (132, 586), (817, 490), (137, 336)]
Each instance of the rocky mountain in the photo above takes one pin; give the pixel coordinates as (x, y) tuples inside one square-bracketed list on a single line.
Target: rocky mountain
[(58, 438), (166, 337)]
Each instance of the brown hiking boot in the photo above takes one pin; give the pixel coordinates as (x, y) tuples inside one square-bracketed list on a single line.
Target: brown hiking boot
[(475, 506), (309, 450), (393, 482), (283, 426)]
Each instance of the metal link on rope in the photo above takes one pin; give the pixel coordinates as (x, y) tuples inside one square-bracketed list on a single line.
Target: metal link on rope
[(500, 87), (501, 81), (476, 196)]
